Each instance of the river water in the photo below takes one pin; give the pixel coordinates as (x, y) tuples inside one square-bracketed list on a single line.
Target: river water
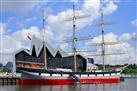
[(130, 84)]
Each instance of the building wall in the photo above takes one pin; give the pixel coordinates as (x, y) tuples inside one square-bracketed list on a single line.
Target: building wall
[(67, 62), (53, 62), (23, 56)]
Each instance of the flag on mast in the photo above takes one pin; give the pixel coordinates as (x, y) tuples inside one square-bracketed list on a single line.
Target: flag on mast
[(29, 36)]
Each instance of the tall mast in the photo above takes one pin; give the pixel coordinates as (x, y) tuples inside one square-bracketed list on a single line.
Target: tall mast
[(74, 39), (45, 55), (103, 44)]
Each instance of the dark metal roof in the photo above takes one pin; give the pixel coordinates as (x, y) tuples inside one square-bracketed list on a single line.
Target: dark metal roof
[(38, 45)]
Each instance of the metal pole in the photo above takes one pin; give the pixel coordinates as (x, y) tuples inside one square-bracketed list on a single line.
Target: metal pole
[(74, 39), (45, 58), (45, 54), (103, 45), (14, 64)]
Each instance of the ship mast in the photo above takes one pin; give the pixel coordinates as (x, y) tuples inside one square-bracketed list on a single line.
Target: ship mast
[(103, 44), (45, 54), (74, 39)]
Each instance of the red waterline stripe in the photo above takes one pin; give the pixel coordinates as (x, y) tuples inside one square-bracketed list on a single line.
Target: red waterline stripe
[(67, 81)]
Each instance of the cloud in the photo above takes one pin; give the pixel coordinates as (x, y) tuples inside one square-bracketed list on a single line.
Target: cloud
[(8, 44), (111, 37), (2, 28), (134, 22), (5, 57), (92, 8), (55, 30), (129, 55), (108, 38), (56, 22), (17, 40), (110, 8), (21, 34), (64, 46), (128, 36), (75, 1), (30, 19), (47, 33), (19, 5)]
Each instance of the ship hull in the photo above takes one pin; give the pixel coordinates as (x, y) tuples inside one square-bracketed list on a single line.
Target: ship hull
[(67, 81), (67, 78)]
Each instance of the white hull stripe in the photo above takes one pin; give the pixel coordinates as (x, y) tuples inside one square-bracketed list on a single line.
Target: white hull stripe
[(47, 75)]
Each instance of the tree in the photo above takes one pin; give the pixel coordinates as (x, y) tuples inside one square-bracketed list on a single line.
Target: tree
[(1, 65), (8, 67)]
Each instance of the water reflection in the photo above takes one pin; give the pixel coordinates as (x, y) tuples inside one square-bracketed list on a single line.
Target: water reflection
[(128, 85)]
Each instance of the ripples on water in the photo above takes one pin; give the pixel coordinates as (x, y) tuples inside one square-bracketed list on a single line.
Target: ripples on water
[(129, 84)]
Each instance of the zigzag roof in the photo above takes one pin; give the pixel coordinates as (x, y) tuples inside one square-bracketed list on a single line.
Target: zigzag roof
[(38, 45)]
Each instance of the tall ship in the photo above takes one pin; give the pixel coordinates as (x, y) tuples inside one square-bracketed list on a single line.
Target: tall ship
[(45, 65)]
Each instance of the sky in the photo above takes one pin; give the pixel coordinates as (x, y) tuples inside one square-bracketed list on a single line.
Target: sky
[(20, 18)]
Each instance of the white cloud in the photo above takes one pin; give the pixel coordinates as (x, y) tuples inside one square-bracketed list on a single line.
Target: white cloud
[(47, 34), (64, 46), (129, 55), (8, 44), (18, 39), (63, 29), (75, 1), (2, 28), (30, 19), (19, 5), (56, 29), (128, 37), (91, 6), (134, 22), (5, 57), (55, 23), (108, 38), (110, 8), (21, 35), (15, 5)]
